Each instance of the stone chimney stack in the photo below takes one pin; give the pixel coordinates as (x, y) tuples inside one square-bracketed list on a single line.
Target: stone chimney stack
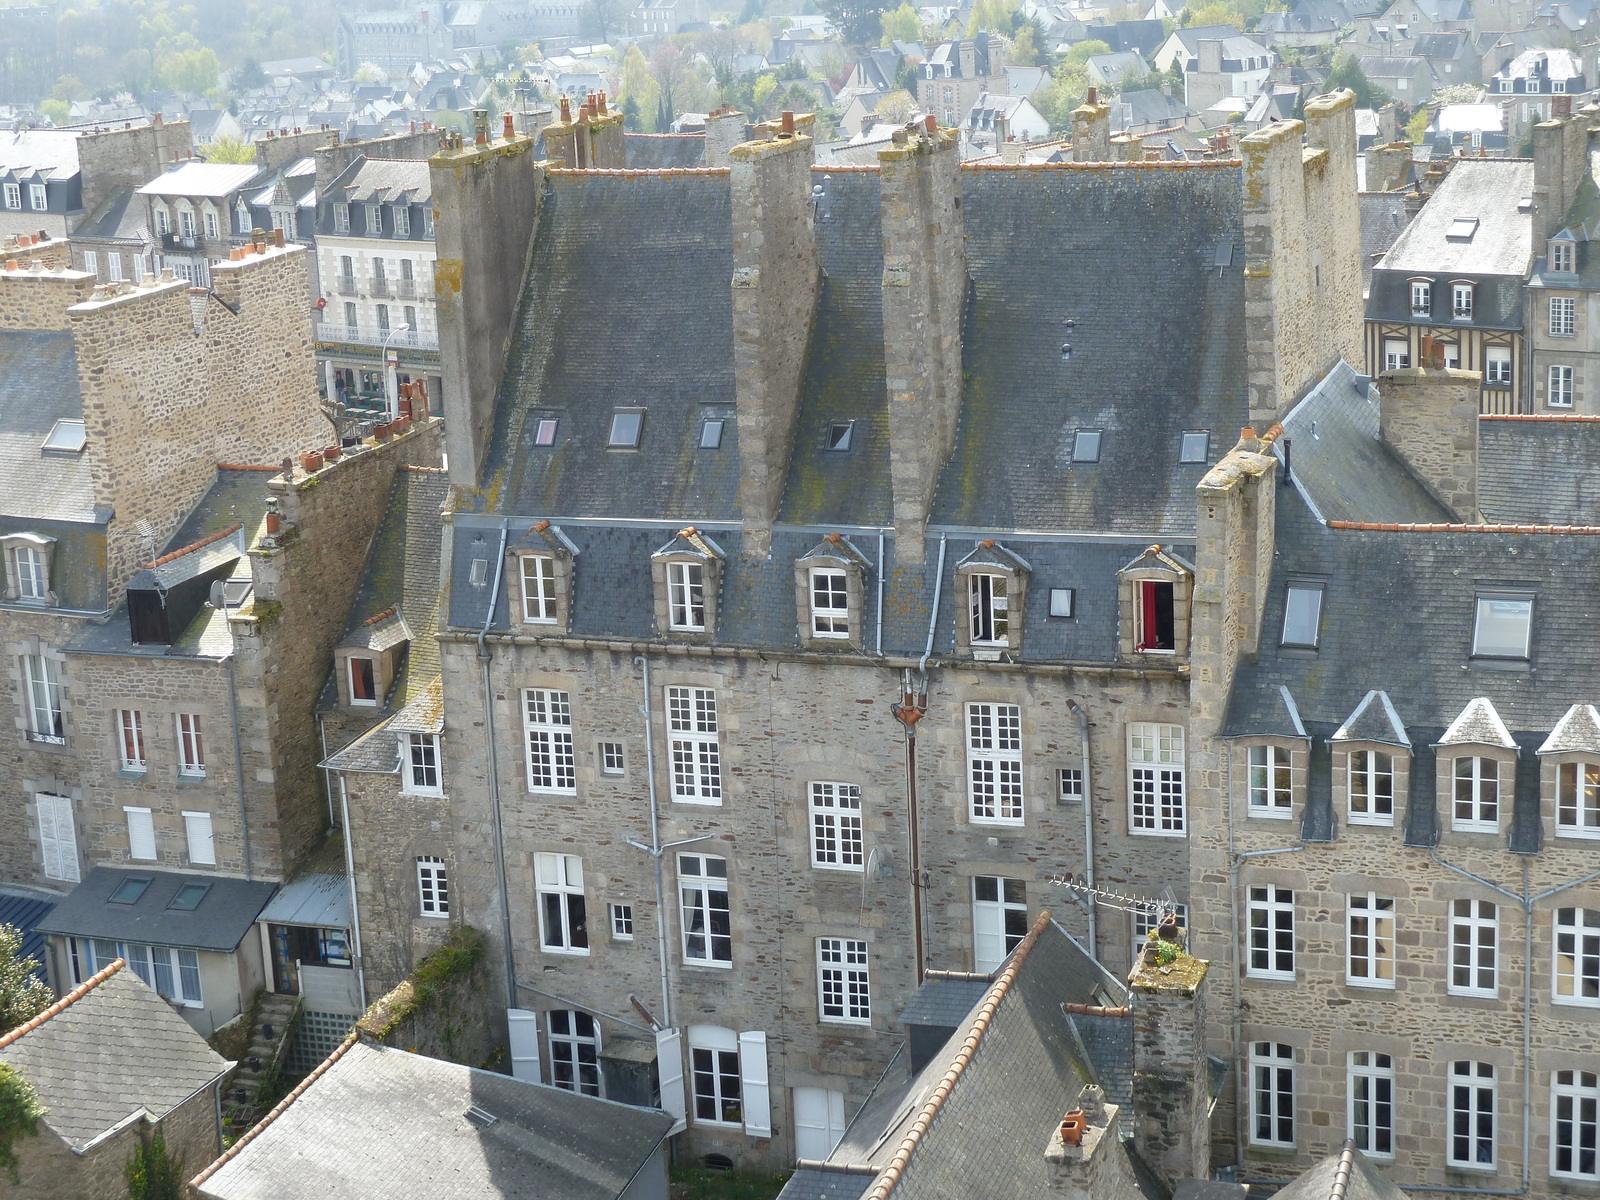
[(1082, 1152), (566, 139), (1091, 130), (1429, 414), (607, 148), (1210, 54), (725, 129), (1388, 166), (776, 284), (1171, 1072), (1560, 161), (924, 295), (1126, 148)]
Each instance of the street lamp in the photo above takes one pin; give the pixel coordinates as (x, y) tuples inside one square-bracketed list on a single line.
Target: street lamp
[(391, 385)]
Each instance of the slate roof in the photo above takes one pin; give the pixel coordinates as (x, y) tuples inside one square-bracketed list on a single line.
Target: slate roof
[(943, 1002), (114, 1050), (1539, 469), (1149, 106), (196, 178), (23, 913), (655, 151), (383, 180), (1577, 732), (1374, 720), (1360, 1180), (1383, 219), (119, 218), (38, 387), (51, 152), (380, 1122), (1341, 466), (1489, 189), (218, 923), (1478, 725)]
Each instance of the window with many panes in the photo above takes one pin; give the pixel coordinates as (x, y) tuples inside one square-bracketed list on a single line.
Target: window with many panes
[(1559, 394), (191, 746), (1156, 781), (28, 573), (1371, 1087), (172, 974), (1369, 776), (1577, 957), (707, 922), (42, 680), (1271, 1094), (989, 611), (547, 725), (1578, 800), (341, 219), (1474, 948), (433, 888), (1472, 1115), (836, 842), (1461, 301), (1270, 912), (130, 740), (994, 763), (1563, 316), (1369, 941), (1574, 1124), (422, 764), (1563, 255), (843, 991), (999, 919), (622, 922), (563, 916), (13, 195), (1475, 804), (575, 1051), (692, 741), (1269, 786), (538, 589), (715, 1080), (686, 596), (830, 603), (1421, 298)]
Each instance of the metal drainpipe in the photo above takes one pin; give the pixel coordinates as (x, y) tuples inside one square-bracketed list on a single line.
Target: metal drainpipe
[(655, 846), (486, 658), (1088, 822), (916, 848), (238, 769), (350, 876), (880, 593), (327, 775), (933, 613)]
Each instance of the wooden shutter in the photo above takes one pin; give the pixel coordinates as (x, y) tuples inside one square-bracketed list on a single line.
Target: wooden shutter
[(753, 1080), (67, 840), (141, 834), (49, 842), (523, 1030), (669, 1071), (818, 1121), (202, 843)]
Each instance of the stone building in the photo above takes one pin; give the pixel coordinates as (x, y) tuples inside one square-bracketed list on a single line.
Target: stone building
[(197, 213), (859, 607), (955, 74)]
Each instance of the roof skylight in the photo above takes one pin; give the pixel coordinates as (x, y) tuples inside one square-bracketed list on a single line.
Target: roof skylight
[(68, 435)]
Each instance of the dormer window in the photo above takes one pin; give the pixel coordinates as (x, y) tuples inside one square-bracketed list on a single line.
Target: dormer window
[(829, 587), (402, 220), (341, 218), (1461, 301), (687, 574), (686, 596), (1157, 631), (988, 609), (538, 589), (1154, 600), (1563, 257), (1421, 298), (374, 220), (28, 559), (1503, 626), (992, 581), (542, 574), (363, 682), (419, 764)]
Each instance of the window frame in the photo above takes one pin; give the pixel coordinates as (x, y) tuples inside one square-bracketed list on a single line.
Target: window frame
[(1460, 311), (1559, 380), (613, 758), (826, 619), (368, 678), (1305, 588), (1366, 942), (540, 592), (1482, 794), (999, 923), (1497, 366), (1273, 797), (191, 745), (1585, 802), (996, 790), (1370, 1083), (1270, 917), (621, 919), (582, 1070), (549, 757), (433, 886), (1151, 812), (45, 704), (49, 828), (1491, 598), (199, 832), (1468, 944), (694, 746), (989, 608), (420, 757), (1272, 1090), (1147, 603), (1584, 956), (1365, 765), (1394, 360), (141, 833), (720, 1099), (844, 984), (700, 915), (838, 840), (686, 596), (562, 904), (1421, 298), (133, 756), (1563, 257), (29, 570), (1473, 1113), (1565, 324), (1579, 1088)]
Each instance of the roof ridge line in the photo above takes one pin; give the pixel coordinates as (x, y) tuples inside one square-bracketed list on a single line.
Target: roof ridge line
[(635, 172), (227, 1155), (72, 997), (969, 1045), (1457, 527), (222, 466), (1342, 1172), (193, 546), (1570, 418)]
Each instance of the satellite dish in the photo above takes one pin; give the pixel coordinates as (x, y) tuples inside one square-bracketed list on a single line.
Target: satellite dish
[(219, 594)]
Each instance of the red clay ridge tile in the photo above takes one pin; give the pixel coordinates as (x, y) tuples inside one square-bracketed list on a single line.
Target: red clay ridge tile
[(72, 997), (1570, 418), (384, 615), (193, 546), (1448, 527), (248, 467)]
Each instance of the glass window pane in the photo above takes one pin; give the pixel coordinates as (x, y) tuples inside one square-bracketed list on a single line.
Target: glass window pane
[(1302, 613), (1502, 628)]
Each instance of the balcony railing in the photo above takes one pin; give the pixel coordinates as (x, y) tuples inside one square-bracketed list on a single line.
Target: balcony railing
[(372, 335), (347, 285), (171, 242), (381, 289), (406, 289)]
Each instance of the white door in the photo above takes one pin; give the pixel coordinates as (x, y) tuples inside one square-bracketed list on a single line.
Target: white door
[(818, 1122)]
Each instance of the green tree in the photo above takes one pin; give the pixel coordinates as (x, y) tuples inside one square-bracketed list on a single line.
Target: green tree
[(57, 112), (639, 86), (153, 1174), (896, 108), (761, 95), (20, 1111), (1417, 127), (1347, 73), (249, 75), (1069, 84), (1218, 12), (189, 70), (858, 21), (230, 150), (69, 88), (901, 25), (1025, 46), (23, 995), (992, 16)]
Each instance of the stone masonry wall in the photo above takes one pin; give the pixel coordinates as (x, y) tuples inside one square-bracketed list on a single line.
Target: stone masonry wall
[(129, 157), (39, 298), (775, 286), (1430, 417)]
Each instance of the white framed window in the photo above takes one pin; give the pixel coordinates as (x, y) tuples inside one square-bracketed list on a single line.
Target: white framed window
[(994, 763), (1474, 948), (1497, 366), (547, 726), (1563, 316), (1475, 805), (191, 746), (1270, 911), (13, 195), (201, 839), (402, 220), (1461, 301), (186, 224), (1302, 615), (575, 1051), (58, 838), (141, 834), (38, 198), (538, 589), (163, 221), (1371, 1088), (242, 217), (563, 918), (1271, 1094), (686, 596), (1155, 617), (211, 225), (830, 603), (1369, 941), (989, 607), (1421, 298), (422, 777), (138, 267), (1563, 256), (1472, 1115), (374, 220), (1369, 777), (716, 1078), (379, 275), (1156, 783), (999, 919), (1271, 793), (1452, 354), (42, 679), (1577, 957), (27, 568), (130, 740), (843, 990), (1147, 920), (696, 755), (1578, 800), (1574, 1124), (173, 974), (1396, 354), (622, 922), (836, 838), (341, 219), (433, 886), (363, 681), (707, 920), (1559, 394), (1503, 626)]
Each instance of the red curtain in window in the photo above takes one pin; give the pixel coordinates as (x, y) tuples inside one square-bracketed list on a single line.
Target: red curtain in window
[(1147, 613)]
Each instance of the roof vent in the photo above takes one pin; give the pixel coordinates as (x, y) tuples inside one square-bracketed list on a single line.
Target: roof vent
[(1525, 205), (1462, 229), (480, 1117)]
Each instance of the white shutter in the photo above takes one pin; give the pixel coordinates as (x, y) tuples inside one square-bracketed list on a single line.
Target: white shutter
[(669, 1070), (141, 834), (66, 840), (988, 936), (523, 1027), (818, 1122), (202, 845), (49, 843), (757, 1091)]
